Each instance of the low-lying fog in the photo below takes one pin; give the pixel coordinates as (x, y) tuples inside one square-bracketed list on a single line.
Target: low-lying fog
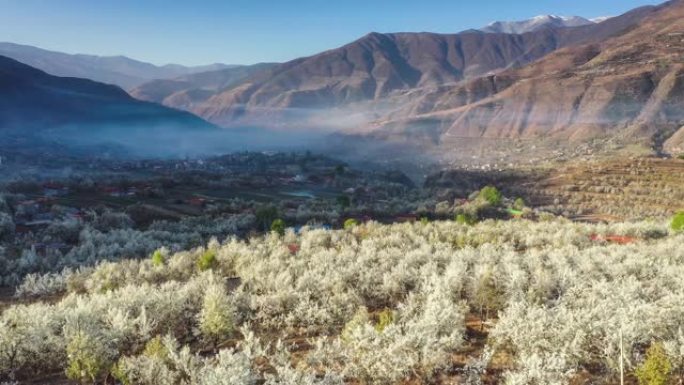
[(175, 142), (180, 142)]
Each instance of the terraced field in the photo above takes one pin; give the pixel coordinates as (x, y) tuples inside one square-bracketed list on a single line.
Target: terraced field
[(612, 190)]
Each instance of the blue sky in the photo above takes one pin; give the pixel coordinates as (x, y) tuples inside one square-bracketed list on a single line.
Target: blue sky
[(244, 31)]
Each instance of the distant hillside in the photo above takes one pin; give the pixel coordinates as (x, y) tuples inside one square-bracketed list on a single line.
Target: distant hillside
[(119, 70), (36, 104), (187, 91)]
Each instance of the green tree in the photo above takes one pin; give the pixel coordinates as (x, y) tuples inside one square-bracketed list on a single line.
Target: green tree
[(678, 222), (656, 369), (87, 358), (156, 353), (349, 223), (207, 260), (278, 226), (158, 258), (216, 316), (155, 348), (491, 195), (466, 219), (519, 204)]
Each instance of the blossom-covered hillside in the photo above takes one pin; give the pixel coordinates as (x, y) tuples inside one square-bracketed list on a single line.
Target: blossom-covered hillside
[(507, 302)]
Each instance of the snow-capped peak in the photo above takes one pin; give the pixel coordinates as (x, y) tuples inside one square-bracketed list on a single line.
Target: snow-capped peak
[(556, 17), (536, 23), (600, 19)]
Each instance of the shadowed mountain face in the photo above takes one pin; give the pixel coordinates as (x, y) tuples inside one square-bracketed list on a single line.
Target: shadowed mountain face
[(119, 70), (40, 112), (375, 69), (35, 104), (629, 87)]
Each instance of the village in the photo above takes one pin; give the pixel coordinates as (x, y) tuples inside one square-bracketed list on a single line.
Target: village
[(46, 219)]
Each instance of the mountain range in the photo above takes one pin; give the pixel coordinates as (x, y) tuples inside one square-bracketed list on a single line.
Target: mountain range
[(119, 70), (567, 79), (379, 71), (630, 86)]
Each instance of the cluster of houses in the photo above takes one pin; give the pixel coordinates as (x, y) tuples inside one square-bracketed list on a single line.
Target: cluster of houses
[(236, 162), (120, 192), (31, 214)]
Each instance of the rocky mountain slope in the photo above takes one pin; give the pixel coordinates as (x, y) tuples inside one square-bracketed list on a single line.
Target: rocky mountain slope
[(119, 70), (187, 91), (629, 87), (379, 68)]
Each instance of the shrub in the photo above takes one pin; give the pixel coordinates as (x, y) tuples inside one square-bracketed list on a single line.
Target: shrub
[(111, 221), (158, 258), (485, 296), (424, 220), (155, 348), (385, 318), (120, 372), (491, 195), (681, 156), (657, 367), (678, 222), (161, 362), (108, 276), (519, 204), (207, 260), (466, 219), (36, 285), (359, 319), (87, 358), (216, 316), (349, 223), (278, 226)]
